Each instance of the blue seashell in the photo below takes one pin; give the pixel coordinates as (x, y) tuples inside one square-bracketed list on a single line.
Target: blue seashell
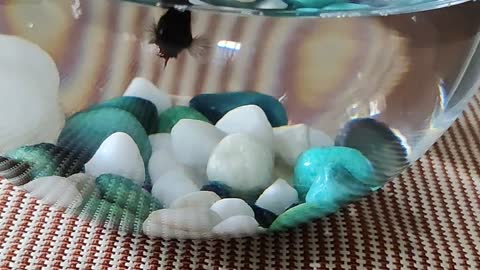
[(215, 106)]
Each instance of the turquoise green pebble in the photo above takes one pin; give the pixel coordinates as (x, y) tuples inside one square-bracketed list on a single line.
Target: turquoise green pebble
[(233, 3), (298, 215), (144, 110), (39, 157), (84, 132), (215, 105), (170, 117), (314, 164), (312, 3), (126, 194)]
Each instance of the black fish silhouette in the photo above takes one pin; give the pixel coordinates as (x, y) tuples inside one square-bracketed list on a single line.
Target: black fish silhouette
[(173, 34)]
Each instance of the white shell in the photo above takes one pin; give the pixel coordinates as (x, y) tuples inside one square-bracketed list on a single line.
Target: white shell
[(278, 197), (241, 162), (230, 207), (197, 199), (181, 223), (55, 191), (193, 141), (30, 112), (118, 154), (249, 119), (237, 226), (143, 88), (290, 142), (173, 185)]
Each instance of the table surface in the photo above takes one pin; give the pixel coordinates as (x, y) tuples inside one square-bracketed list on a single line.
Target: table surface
[(427, 218)]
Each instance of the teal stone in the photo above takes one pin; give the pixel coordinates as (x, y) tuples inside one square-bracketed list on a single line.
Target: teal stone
[(312, 3), (345, 6), (315, 165), (84, 132), (144, 110), (46, 159), (336, 188), (234, 3), (127, 195), (223, 191), (215, 106), (299, 215), (169, 118)]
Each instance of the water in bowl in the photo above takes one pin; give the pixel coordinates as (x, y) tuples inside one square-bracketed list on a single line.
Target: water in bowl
[(261, 120)]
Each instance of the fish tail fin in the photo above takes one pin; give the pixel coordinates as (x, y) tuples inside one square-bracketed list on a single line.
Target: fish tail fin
[(200, 47), (152, 29)]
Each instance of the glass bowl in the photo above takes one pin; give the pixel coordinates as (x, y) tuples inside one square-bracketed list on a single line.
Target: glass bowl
[(259, 120)]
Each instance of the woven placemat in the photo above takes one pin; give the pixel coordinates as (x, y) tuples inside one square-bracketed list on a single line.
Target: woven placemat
[(428, 218)]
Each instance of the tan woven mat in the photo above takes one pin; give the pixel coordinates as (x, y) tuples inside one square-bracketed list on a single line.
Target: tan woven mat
[(429, 218)]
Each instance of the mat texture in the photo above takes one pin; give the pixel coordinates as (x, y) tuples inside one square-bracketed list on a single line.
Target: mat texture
[(428, 218)]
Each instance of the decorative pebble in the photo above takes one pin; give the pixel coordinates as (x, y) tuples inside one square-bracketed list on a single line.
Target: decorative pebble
[(119, 155), (169, 118), (278, 197), (126, 194), (222, 190), (181, 223), (230, 207), (143, 88), (313, 165), (163, 161), (173, 185), (236, 226), (197, 199), (29, 83), (264, 217), (249, 119), (84, 132), (335, 188), (312, 3), (161, 141), (282, 170), (193, 141), (272, 4), (299, 215), (290, 142), (318, 138), (144, 110), (55, 191), (242, 163), (215, 106)]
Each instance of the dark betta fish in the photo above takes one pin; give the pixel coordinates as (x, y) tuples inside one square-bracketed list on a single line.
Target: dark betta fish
[(173, 34)]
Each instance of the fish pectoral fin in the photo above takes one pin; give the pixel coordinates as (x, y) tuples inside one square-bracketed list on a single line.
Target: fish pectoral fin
[(200, 47)]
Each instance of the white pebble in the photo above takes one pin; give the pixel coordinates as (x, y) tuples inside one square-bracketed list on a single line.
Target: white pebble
[(173, 185), (241, 162), (161, 141), (249, 119), (230, 207), (290, 142), (162, 161), (118, 154), (272, 4), (318, 138), (204, 199), (55, 191), (181, 223), (30, 111), (193, 141), (278, 197), (143, 88), (237, 226)]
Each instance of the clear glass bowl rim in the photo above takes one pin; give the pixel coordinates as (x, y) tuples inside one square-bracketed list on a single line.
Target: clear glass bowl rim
[(316, 13)]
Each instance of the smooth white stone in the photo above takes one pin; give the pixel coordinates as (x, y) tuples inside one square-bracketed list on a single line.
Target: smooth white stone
[(193, 141), (119, 155), (237, 226), (55, 191), (318, 138), (162, 161), (241, 162), (278, 197), (143, 88), (161, 141), (290, 142), (173, 185), (249, 119), (282, 170), (272, 4), (181, 223), (230, 207), (85, 184), (30, 112), (197, 199)]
